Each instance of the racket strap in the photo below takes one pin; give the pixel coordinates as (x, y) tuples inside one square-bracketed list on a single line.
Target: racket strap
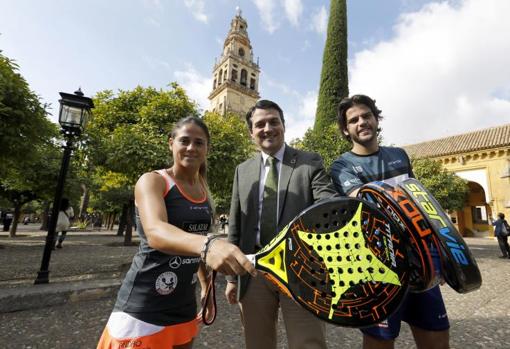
[(209, 302)]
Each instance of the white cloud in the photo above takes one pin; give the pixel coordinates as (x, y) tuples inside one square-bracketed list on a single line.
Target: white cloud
[(197, 8), (196, 85), (152, 21), (300, 120), (444, 72), (155, 63), (152, 3), (320, 20), (266, 11), (293, 10)]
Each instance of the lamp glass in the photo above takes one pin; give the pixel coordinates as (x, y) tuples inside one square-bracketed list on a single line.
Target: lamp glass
[(71, 116)]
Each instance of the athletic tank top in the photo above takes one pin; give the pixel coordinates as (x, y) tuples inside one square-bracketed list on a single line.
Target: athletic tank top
[(160, 288)]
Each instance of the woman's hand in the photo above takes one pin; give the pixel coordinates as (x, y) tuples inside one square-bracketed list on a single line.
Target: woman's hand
[(228, 259)]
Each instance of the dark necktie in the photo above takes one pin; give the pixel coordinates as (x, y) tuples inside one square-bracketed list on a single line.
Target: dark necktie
[(269, 203)]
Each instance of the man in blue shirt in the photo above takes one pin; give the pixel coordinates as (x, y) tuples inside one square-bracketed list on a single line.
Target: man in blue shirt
[(358, 121)]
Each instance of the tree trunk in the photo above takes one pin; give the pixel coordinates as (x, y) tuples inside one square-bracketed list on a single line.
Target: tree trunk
[(122, 220), (44, 216), (112, 221), (84, 204), (129, 223), (15, 219)]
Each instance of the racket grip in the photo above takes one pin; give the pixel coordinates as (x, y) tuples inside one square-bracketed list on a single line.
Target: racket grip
[(251, 258)]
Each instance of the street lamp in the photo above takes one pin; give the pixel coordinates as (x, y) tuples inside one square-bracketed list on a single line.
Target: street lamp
[(73, 115)]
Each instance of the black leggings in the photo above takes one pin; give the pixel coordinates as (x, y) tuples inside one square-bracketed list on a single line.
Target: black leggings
[(503, 245), (62, 236)]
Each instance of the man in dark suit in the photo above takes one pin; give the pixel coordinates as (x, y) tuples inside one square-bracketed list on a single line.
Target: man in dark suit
[(269, 190)]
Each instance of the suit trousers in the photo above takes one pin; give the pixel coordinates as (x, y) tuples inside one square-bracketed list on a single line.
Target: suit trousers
[(259, 313)]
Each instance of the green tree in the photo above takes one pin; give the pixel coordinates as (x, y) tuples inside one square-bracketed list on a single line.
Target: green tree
[(230, 145), (328, 143), (29, 158), (127, 137), (449, 189), (334, 80), (23, 119)]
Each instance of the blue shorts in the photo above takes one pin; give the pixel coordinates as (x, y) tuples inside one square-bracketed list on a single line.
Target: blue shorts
[(424, 310)]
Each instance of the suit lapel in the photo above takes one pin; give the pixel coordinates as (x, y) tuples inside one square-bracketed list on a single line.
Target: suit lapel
[(252, 182), (288, 164)]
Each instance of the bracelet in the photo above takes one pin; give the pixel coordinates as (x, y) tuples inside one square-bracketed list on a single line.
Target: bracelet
[(207, 245)]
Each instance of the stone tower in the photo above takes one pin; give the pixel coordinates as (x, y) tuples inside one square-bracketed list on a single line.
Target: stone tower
[(235, 75)]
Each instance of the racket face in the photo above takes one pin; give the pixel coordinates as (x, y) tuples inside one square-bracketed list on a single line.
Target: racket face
[(416, 231), (343, 260), (460, 270)]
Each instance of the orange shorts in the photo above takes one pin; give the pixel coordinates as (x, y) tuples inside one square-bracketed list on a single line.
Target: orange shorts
[(124, 331)]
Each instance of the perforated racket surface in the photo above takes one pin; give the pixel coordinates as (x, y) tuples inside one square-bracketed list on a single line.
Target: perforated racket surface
[(342, 259), (459, 266), (417, 232)]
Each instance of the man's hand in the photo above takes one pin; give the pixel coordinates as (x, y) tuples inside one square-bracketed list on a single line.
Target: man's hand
[(231, 292)]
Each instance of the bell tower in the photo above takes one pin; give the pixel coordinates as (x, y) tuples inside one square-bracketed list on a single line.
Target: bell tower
[(235, 74)]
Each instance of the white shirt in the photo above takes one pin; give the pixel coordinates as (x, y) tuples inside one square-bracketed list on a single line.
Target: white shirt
[(264, 169)]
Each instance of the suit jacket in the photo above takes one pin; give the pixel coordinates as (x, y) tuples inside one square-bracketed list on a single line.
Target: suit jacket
[(303, 181)]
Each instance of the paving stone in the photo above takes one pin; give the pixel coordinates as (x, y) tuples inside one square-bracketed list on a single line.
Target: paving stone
[(480, 319)]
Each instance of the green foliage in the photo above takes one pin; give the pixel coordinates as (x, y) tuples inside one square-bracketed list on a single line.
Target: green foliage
[(128, 137), (30, 156), (449, 189), (327, 142), (334, 79), (230, 145), (23, 120)]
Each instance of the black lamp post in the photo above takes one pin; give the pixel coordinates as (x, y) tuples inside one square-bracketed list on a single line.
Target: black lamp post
[(74, 114)]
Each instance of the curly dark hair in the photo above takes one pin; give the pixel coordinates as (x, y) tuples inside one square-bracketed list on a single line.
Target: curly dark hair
[(349, 102)]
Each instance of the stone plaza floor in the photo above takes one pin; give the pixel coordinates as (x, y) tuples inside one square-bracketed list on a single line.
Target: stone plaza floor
[(480, 319)]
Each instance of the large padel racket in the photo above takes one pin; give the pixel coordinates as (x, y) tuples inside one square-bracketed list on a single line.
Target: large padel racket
[(417, 232), (459, 266), (342, 259)]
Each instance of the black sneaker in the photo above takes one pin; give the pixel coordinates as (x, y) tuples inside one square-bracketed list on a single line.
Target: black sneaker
[(59, 245)]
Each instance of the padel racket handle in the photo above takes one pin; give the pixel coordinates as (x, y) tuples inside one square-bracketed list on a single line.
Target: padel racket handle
[(251, 258)]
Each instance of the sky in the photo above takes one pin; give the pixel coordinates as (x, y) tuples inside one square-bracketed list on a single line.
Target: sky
[(435, 68)]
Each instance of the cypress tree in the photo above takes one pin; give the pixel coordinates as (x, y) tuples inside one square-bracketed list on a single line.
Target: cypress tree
[(334, 80)]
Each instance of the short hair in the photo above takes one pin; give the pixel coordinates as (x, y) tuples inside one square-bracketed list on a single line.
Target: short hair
[(263, 104), (501, 215), (349, 102)]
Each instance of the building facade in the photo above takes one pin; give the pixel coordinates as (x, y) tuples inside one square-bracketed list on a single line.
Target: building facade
[(482, 158), (235, 74)]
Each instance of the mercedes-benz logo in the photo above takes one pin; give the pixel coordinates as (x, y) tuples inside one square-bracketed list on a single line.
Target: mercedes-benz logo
[(175, 262)]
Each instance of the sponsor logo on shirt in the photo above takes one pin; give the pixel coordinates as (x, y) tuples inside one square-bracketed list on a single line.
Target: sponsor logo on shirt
[(166, 283), (394, 162), (357, 169), (176, 261)]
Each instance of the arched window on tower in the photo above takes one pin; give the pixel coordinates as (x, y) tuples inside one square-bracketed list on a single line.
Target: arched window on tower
[(252, 83), (214, 84), (234, 75), (220, 78), (225, 74), (244, 77), (241, 52)]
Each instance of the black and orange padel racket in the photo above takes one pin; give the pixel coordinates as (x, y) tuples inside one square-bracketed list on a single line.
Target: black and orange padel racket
[(459, 266), (342, 259), (422, 243)]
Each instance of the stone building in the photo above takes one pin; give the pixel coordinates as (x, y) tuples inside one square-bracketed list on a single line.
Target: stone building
[(235, 74), (483, 159)]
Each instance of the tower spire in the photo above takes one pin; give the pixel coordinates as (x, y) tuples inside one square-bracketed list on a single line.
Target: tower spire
[(235, 74)]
